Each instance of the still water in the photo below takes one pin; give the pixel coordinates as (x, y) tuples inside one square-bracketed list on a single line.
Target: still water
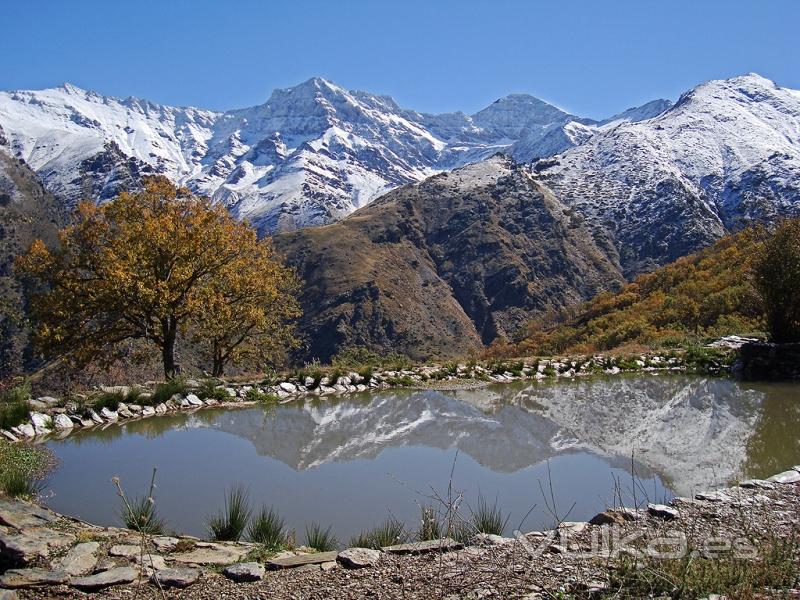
[(353, 462)]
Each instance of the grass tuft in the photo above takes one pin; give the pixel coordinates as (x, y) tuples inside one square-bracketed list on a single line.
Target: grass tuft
[(322, 540), (229, 525), (388, 533), (430, 527), (268, 529), (143, 517), (166, 390), (487, 518)]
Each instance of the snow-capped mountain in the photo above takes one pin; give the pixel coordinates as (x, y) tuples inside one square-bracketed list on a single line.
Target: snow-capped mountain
[(727, 153), (310, 155)]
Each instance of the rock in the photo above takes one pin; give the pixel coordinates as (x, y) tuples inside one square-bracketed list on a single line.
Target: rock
[(42, 424), (249, 571), (125, 413), (301, 560), (193, 400), (287, 387), (442, 545), (108, 414), (22, 578), (662, 511), (358, 558), (148, 411), (572, 526), (80, 559), (165, 543), (717, 496), (488, 539), (309, 382), (95, 417), (326, 566), (63, 422), (161, 408), (756, 483), (211, 554), (125, 550), (791, 476), (32, 543), (26, 430), (48, 401), (21, 515), (98, 581), (135, 408), (557, 549), (180, 577), (8, 435), (153, 562), (613, 517), (8, 595)]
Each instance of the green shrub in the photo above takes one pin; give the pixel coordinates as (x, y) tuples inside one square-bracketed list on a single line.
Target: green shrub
[(402, 381), (109, 400), (23, 468), (18, 484), (388, 533), (487, 518), (166, 390), (14, 408), (268, 529), (322, 540), (209, 390), (549, 372), (142, 517), (430, 527), (255, 395), (229, 524)]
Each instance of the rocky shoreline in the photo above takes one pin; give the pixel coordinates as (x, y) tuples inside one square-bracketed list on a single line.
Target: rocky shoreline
[(52, 417), (47, 555)]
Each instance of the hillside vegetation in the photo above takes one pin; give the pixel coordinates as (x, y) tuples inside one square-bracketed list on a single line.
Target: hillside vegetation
[(709, 293)]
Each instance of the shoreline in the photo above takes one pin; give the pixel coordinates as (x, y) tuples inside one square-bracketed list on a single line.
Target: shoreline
[(54, 418), (48, 554)]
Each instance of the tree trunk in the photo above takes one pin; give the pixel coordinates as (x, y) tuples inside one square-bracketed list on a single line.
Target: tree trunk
[(219, 363), (169, 331)]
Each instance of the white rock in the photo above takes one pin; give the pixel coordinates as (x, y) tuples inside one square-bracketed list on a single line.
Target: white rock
[(109, 414), (194, 400), (63, 422), (41, 423), (288, 387)]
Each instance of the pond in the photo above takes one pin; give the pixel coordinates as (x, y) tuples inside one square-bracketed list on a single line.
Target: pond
[(352, 462)]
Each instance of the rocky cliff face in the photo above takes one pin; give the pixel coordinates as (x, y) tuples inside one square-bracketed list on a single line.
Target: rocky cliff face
[(443, 266), (27, 212)]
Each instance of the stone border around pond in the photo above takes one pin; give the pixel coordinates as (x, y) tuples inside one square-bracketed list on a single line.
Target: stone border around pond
[(53, 551), (51, 418)]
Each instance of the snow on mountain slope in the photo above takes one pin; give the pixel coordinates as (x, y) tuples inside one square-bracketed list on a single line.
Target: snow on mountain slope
[(726, 153), (311, 154)]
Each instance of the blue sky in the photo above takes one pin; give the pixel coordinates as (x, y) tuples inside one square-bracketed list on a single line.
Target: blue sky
[(590, 57)]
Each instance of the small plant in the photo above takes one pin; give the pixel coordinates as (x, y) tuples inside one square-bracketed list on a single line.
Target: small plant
[(387, 534), (14, 409), (549, 372), (210, 390), (19, 484), (487, 518), (322, 540), (134, 395), (229, 525), (430, 527), (403, 381), (166, 390), (256, 395), (143, 517), (268, 529), (109, 400)]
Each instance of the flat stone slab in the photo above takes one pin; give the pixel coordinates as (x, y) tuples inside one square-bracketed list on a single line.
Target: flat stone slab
[(125, 550), (32, 543), (165, 543), (8, 595), (249, 571), (291, 562), (211, 554), (22, 578), (442, 545), (80, 559), (20, 515), (358, 558), (116, 576), (662, 511), (180, 577), (791, 476), (756, 483)]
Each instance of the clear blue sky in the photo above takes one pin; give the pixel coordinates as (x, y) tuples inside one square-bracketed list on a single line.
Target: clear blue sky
[(592, 58)]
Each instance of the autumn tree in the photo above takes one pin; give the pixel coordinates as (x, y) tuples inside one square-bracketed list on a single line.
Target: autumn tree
[(247, 308), (776, 272), (145, 266)]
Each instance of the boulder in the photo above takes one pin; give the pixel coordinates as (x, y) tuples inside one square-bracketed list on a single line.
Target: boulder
[(148, 411), (358, 558), (98, 581), (63, 422), (611, 517), (249, 571), (288, 387), (488, 539), (26, 430), (125, 550), (95, 417), (165, 543), (8, 595), (48, 401), (108, 414), (180, 577), (32, 543), (80, 559), (193, 400), (23, 578), (42, 423), (662, 511), (791, 476)]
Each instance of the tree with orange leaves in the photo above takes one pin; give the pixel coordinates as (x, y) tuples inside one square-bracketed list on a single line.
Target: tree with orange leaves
[(149, 266)]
